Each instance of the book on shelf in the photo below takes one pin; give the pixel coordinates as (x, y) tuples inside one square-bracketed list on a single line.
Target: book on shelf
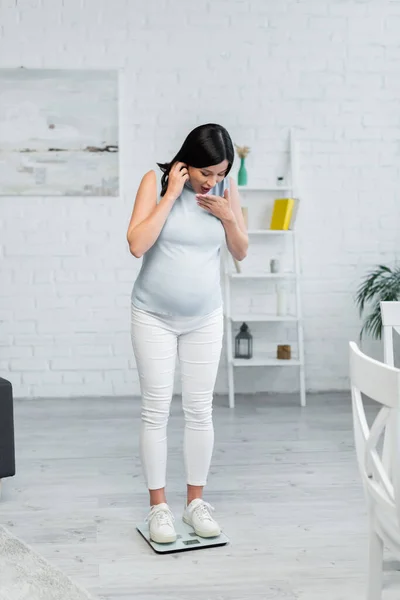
[(284, 214)]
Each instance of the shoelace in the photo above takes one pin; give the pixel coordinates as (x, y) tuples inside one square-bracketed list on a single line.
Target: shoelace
[(163, 515), (203, 511)]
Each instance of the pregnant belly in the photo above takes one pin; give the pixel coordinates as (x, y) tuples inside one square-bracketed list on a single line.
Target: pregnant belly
[(181, 292)]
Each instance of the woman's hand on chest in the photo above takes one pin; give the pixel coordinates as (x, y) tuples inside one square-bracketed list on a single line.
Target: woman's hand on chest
[(219, 206)]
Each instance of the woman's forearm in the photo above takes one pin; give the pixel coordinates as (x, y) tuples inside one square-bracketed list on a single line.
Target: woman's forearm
[(143, 236), (236, 240)]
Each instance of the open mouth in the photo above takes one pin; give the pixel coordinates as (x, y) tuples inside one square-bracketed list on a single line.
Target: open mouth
[(205, 190)]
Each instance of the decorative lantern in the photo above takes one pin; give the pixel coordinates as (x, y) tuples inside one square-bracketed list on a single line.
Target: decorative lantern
[(244, 343)]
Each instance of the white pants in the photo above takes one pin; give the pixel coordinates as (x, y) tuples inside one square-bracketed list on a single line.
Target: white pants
[(157, 342)]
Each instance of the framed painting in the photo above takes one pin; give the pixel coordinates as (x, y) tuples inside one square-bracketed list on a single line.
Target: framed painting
[(58, 132)]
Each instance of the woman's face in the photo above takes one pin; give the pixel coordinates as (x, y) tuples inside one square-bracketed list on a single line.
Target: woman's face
[(204, 179)]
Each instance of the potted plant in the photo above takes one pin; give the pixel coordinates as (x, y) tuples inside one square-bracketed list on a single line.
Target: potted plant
[(380, 284)]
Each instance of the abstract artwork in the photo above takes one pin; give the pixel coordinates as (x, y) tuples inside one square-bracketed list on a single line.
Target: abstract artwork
[(58, 132)]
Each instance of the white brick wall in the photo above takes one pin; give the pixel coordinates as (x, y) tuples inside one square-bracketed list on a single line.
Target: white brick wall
[(329, 68)]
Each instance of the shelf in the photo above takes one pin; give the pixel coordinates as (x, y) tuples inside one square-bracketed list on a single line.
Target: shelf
[(262, 275), (258, 198), (265, 361), (263, 318), (270, 231), (247, 188)]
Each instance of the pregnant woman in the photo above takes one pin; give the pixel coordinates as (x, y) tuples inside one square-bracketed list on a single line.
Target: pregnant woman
[(179, 223)]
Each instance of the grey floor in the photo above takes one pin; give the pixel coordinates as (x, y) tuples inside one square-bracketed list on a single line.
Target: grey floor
[(284, 483)]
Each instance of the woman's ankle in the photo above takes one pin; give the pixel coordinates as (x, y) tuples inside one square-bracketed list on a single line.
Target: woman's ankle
[(157, 497), (194, 492)]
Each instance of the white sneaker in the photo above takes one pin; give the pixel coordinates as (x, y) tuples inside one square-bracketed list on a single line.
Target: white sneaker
[(161, 524), (198, 515)]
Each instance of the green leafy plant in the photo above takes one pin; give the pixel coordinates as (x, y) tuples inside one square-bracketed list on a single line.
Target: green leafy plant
[(382, 284)]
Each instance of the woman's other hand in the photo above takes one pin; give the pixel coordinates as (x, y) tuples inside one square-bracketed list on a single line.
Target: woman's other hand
[(177, 178)]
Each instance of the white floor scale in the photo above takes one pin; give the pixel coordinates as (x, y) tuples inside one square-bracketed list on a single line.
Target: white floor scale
[(186, 539)]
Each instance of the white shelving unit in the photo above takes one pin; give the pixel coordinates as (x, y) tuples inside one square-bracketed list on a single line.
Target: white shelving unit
[(261, 359)]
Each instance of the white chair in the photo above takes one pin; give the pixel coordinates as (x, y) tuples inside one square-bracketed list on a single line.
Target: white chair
[(390, 314), (381, 383)]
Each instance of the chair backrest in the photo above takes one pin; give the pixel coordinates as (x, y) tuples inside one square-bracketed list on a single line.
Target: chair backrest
[(381, 383), (390, 313)]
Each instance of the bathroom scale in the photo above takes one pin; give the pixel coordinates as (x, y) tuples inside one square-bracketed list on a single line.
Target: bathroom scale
[(186, 539)]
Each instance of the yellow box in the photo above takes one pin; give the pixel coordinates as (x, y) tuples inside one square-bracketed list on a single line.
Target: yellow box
[(282, 213)]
